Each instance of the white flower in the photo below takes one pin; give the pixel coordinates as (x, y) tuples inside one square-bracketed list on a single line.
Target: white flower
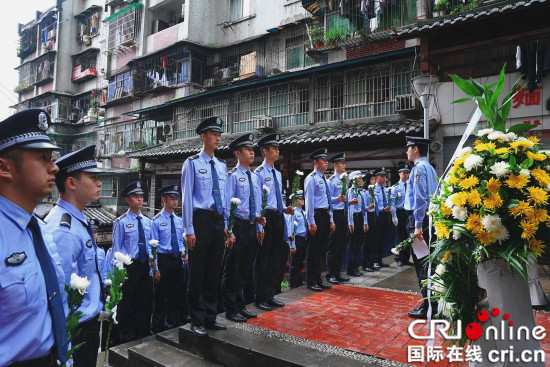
[(500, 169), (438, 286), (456, 234), (433, 208), (473, 161), (440, 269), (501, 234), (108, 282), (266, 189), (79, 284), (121, 260), (484, 132), (295, 224), (154, 243), (444, 307), (511, 136), (450, 188), (395, 251), (235, 201), (547, 187), (547, 167), (108, 299), (449, 201), (491, 222), (114, 310), (460, 213), (344, 174), (371, 186), (525, 172), (299, 173), (463, 151), (498, 135)]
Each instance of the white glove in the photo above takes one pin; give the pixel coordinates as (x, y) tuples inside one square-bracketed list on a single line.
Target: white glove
[(394, 220)]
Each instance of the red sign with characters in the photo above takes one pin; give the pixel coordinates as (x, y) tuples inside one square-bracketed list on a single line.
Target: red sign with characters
[(524, 97), (79, 74)]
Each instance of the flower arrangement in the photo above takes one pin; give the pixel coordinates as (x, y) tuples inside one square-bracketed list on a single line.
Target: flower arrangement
[(265, 193), (235, 202), (406, 243), (154, 246), (493, 204), (343, 188), (390, 198), (356, 188), (75, 295), (296, 186)]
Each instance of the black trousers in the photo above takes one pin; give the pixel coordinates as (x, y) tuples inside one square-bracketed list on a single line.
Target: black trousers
[(237, 264), (337, 244), (167, 293), (316, 251), (86, 355), (205, 263), (402, 234), (355, 243), (370, 241), (283, 264), (183, 308), (296, 261), (382, 227), (132, 311), (268, 257), (421, 265)]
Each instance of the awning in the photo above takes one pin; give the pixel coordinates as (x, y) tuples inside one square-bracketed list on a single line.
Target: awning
[(115, 15), (315, 7), (92, 9), (287, 23), (104, 217)]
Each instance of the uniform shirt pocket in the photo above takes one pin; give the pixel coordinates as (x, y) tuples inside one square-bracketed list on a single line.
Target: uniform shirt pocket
[(130, 235), (19, 287), (165, 233)]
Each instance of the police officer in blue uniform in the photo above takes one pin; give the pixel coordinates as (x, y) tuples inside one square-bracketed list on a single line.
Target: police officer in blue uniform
[(78, 183), (298, 241), (285, 251), (239, 260), (319, 218), (131, 236), (167, 228), (383, 214), (357, 222), (398, 193), (32, 321), (339, 239), (268, 256), (422, 183), (370, 238), (94, 226), (203, 184)]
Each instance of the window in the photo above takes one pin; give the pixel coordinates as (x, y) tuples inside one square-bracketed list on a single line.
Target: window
[(87, 28), (295, 53), (189, 116), (166, 69), (48, 29), (120, 85), (238, 9), (44, 68), (26, 77), (289, 103), (85, 67), (247, 106), (124, 26)]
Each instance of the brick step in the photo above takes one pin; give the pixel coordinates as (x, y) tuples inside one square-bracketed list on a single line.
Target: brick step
[(156, 353)]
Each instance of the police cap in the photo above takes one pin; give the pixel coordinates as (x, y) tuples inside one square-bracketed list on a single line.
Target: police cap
[(404, 168), (26, 130), (318, 154), (135, 187), (82, 160), (380, 171), (340, 157), (299, 195), (269, 140), (354, 175), (94, 224), (213, 123), (170, 190), (246, 140), (416, 141)]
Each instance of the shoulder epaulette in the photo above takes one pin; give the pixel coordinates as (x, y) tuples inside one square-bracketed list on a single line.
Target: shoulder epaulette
[(312, 173), (331, 178), (146, 216), (121, 217), (158, 215), (194, 157), (65, 220), (232, 170), (259, 169), (221, 160)]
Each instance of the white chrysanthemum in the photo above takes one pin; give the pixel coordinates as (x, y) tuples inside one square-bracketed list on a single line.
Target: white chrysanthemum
[(450, 188), (114, 311), (491, 222), (266, 189), (394, 251), (121, 260), (511, 136), (449, 201), (463, 151), (500, 169), (371, 186), (438, 286), (460, 213), (79, 284), (235, 201), (547, 187), (299, 173), (521, 138), (440, 269), (473, 161), (295, 224), (501, 234), (456, 234), (433, 208), (525, 172), (498, 135), (108, 281), (484, 132), (154, 243), (444, 307), (344, 174)]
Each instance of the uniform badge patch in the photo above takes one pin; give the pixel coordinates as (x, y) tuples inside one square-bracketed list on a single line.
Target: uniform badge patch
[(42, 121), (164, 224), (16, 259), (242, 179), (417, 177), (129, 225), (202, 170), (268, 178), (89, 244)]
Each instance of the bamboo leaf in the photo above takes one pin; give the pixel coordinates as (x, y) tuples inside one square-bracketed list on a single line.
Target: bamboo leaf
[(465, 86), (479, 87), (519, 128), (461, 100), (500, 85)]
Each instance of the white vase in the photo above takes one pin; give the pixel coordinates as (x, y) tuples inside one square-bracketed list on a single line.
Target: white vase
[(538, 298), (508, 292)]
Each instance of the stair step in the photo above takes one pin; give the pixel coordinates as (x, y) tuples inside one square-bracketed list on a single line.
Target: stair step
[(118, 355), (170, 337), (156, 353)]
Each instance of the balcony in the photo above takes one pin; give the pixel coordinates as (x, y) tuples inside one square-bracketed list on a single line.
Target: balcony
[(81, 75), (27, 42)]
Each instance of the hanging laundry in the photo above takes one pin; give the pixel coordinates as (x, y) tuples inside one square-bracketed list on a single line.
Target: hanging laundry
[(164, 62), (532, 63)]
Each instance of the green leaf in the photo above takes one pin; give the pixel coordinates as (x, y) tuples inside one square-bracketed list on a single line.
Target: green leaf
[(462, 100), (500, 85), (487, 112), (513, 203), (519, 128), (465, 86), (527, 163), (512, 161), (479, 87)]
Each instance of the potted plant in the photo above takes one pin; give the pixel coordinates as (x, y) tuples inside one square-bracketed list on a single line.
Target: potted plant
[(442, 7), (315, 36)]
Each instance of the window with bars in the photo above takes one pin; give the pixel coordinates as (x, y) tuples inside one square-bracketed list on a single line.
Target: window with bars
[(48, 28), (43, 103), (289, 103), (87, 27), (44, 68), (124, 26), (248, 105), (295, 53), (26, 76), (120, 85), (188, 116), (166, 69)]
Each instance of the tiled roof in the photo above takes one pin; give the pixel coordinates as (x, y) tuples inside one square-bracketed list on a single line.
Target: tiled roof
[(105, 218), (476, 13), (289, 136)]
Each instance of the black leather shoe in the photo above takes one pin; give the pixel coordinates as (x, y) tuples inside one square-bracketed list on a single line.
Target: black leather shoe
[(314, 288), (355, 273), (341, 278), (332, 280), (275, 303), (399, 263), (384, 265), (235, 316), (247, 314), (199, 330), (368, 270), (263, 306), (376, 266), (420, 314), (216, 326), (324, 285)]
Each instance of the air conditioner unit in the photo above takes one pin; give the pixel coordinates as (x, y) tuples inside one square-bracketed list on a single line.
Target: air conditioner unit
[(407, 103), (263, 122), (168, 130), (51, 34)]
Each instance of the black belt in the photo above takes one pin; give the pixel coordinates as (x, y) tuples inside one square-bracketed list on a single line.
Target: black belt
[(409, 212), (273, 211), (169, 255), (244, 221), (46, 361), (337, 211), (358, 213), (322, 210), (213, 213), (301, 237)]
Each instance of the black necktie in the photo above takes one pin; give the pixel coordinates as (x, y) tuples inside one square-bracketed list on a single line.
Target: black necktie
[(251, 199), (142, 254), (216, 188), (278, 192), (55, 303), (174, 237), (96, 264)]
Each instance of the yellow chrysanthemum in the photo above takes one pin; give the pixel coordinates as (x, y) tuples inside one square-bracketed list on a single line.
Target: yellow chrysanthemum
[(523, 208), (477, 142), (536, 156), (500, 151), (469, 182), (493, 201), (474, 199), (441, 230), (493, 184), (460, 198), (484, 147), (485, 238), (517, 182), (541, 176), (453, 180), (473, 224), (537, 195), (444, 210), (529, 229), (460, 161), (447, 256), (521, 144), (534, 139), (539, 215), (536, 245)]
